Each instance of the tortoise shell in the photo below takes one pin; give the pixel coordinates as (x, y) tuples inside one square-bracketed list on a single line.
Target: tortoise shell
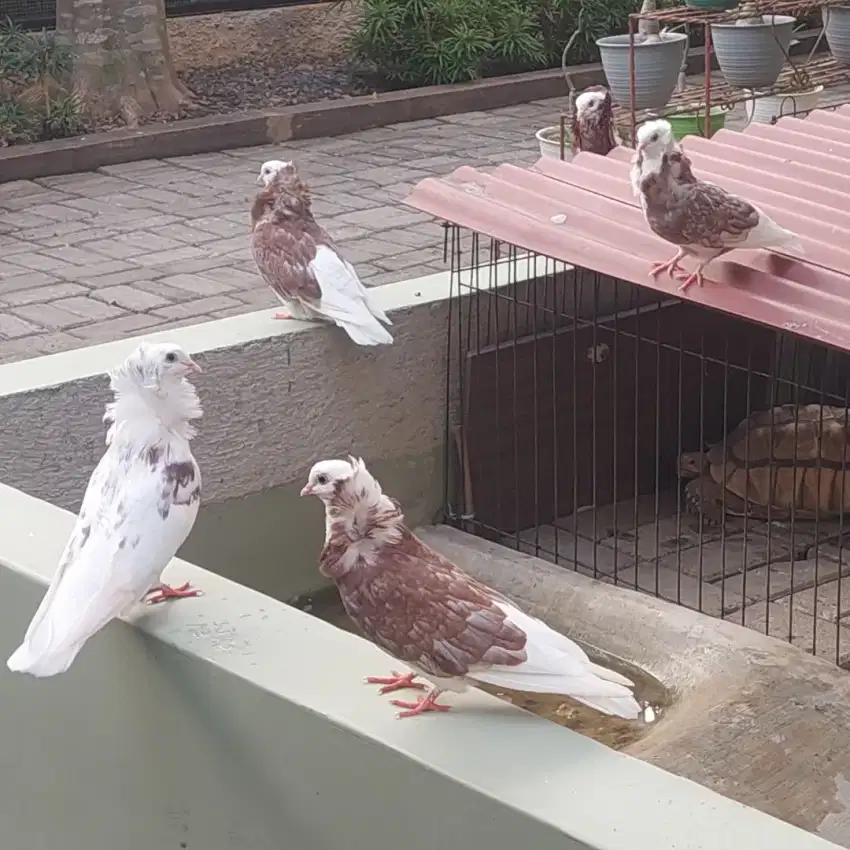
[(792, 459)]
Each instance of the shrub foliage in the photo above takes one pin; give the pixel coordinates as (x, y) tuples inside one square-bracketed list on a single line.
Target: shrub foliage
[(424, 42), (33, 103)]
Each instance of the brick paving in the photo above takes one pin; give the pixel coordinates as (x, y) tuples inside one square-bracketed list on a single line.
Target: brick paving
[(156, 244)]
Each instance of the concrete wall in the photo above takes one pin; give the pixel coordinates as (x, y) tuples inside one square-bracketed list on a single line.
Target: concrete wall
[(277, 397)]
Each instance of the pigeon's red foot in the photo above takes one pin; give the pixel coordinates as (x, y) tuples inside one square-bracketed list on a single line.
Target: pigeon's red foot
[(669, 266), (426, 703), (282, 316), (395, 682), (163, 592), (696, 277)]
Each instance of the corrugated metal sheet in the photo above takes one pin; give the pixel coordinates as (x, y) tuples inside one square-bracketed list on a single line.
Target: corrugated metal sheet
[(797, 171)]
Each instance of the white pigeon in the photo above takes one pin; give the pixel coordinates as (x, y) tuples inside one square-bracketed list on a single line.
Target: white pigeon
[(421, 609), (139, 507), (701, 218), (299, 261)]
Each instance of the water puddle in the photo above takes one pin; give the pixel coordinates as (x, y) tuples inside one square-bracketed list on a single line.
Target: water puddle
[(611, 731)]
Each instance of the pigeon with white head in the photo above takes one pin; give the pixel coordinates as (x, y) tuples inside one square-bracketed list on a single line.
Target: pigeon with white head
[(140, 505), (301, 264), (593, 127), (270, 169), (424, 611), (702, 219)]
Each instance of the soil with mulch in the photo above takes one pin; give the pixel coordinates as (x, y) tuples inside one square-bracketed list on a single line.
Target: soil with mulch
[(240, 61)]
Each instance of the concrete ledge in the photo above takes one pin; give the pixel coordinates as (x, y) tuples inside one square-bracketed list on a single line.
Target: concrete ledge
[(236, 721)]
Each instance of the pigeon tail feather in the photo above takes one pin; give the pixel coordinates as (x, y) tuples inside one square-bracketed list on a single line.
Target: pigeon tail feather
[(558, 665), (41, 664), (768, 234), (371, 334), (345, 301)]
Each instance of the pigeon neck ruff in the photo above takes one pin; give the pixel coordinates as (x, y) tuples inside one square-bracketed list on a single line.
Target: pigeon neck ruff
[(359, 521), (148, 407)]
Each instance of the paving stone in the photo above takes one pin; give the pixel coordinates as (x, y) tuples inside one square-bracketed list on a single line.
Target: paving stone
[(38, 261), (130, 298), (12, 245), (192, 235), (40, 294), (12, 327), (199, 307), (197, 284), (97, 271), (112, 329), (786, 621), (410, 259), (26, 347), (48, 316), (777, 580), (26, 280), (75, 256), (168, 258)]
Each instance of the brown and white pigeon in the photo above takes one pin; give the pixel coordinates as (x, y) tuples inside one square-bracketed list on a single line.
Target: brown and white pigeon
[(299, 261), (140, 505), (701, 218), (424, 611), (593, 127)]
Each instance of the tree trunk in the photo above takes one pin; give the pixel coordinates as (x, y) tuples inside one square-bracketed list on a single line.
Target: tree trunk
[(122, 61)]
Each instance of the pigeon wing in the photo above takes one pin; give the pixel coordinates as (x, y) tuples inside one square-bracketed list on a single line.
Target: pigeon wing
[(133, 520), (421, 609), (711, 217), (344, 297), (283, 258)]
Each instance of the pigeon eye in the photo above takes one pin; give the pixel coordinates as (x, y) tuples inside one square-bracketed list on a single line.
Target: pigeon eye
[(171, 357), (322, 479)]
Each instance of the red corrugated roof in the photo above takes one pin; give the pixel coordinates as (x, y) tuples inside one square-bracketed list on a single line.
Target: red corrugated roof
[(797, 171)]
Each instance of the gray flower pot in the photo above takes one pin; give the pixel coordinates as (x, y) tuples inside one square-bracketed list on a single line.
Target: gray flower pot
[(752, 55), (657, 66), (837, 22)]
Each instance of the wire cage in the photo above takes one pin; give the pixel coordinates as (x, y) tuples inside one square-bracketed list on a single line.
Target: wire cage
[(649, 442)]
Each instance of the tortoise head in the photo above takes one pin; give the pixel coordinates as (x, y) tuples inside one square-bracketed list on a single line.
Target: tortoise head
[(692, 464)]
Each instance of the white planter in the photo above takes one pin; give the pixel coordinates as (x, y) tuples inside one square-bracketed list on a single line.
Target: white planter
[(765, 110), (549, 139)]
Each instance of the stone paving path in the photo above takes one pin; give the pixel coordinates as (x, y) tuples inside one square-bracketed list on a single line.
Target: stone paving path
[(156, 244), (91, 257)]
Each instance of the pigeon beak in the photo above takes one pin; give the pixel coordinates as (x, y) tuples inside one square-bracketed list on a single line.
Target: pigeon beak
[(194, 367), (306, 490), (260, 180)]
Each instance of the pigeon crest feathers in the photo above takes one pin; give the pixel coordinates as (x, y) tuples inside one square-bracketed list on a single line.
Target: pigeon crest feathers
[(152, 393), (356, 509), (270, 169)]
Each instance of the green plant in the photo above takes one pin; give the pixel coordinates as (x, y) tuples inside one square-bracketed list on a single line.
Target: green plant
[(420, 42), (447, 41), (15, 123), (33, 103)]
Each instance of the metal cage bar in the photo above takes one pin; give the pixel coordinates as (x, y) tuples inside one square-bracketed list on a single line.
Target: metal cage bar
[(650, 442)]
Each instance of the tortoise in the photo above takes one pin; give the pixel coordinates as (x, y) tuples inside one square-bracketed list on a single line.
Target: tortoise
[(810, 442)]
